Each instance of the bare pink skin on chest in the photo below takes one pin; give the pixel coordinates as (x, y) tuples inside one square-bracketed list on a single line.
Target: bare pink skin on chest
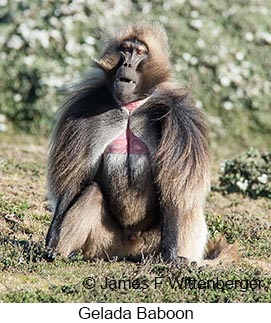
[(128, 142)]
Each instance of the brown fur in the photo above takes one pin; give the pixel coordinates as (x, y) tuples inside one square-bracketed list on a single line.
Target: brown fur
[(97, 207), (218, 251)]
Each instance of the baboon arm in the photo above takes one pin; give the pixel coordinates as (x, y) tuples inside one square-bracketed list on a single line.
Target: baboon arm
[(181, 161), (182, 168), (170, 222), (79, 142), (71, 168), (52, 237), (64, 200)]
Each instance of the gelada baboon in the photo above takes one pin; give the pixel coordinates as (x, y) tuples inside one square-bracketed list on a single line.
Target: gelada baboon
[(128, 166)]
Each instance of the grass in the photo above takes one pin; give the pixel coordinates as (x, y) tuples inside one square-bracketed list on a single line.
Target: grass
[(26, 277)]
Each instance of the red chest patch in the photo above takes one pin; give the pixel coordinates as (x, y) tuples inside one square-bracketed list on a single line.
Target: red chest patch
[(128, 142)]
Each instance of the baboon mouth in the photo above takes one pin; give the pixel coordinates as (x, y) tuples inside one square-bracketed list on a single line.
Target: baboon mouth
[(125, 80)]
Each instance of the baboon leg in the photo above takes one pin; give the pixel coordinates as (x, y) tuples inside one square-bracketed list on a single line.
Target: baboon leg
[(109, 240), (147, 243), (193, 235), (88, 226)]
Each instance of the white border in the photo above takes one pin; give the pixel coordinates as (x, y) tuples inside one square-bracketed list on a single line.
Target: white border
[(69, 312)]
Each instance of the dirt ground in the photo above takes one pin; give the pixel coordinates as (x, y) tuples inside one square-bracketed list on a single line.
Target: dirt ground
[(24, 220)]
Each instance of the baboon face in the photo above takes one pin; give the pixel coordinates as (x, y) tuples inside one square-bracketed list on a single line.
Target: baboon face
[(126, 84), (135, 62)]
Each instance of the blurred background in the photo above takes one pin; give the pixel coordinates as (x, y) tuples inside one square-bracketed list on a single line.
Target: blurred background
[(220, 49)]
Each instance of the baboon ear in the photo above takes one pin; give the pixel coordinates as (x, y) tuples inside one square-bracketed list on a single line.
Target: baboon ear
[(108, 61)]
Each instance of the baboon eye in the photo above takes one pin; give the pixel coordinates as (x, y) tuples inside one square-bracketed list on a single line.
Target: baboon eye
[(141, 51), (125, 48)]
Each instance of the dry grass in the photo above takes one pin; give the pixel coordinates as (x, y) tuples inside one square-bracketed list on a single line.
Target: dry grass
[(26, 277)]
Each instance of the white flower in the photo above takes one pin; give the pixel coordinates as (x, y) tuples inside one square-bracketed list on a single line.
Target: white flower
[(3, 3), (146, 8), (3, 56), (240, 56), (29, 60), (249, 36), (223, 51), (15, 42), (215, 32), (243, 185), (3, 127), (194, 60), (222, 167), (25, 31), (263, 179), (246, 64), (194, 14), (56, 34), (199, 104), (43, 37), (17, 97), (215, 121), (54, 81), (228, 105), (237, 78), (214, 59), (265, 36), (186, 57), (89, 50), (90, 40), (72, 47), (72, 61), (54, 21), (225, 81), (68, 23), (196, 23), (240, 93), (216, 88), (201, 43)]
